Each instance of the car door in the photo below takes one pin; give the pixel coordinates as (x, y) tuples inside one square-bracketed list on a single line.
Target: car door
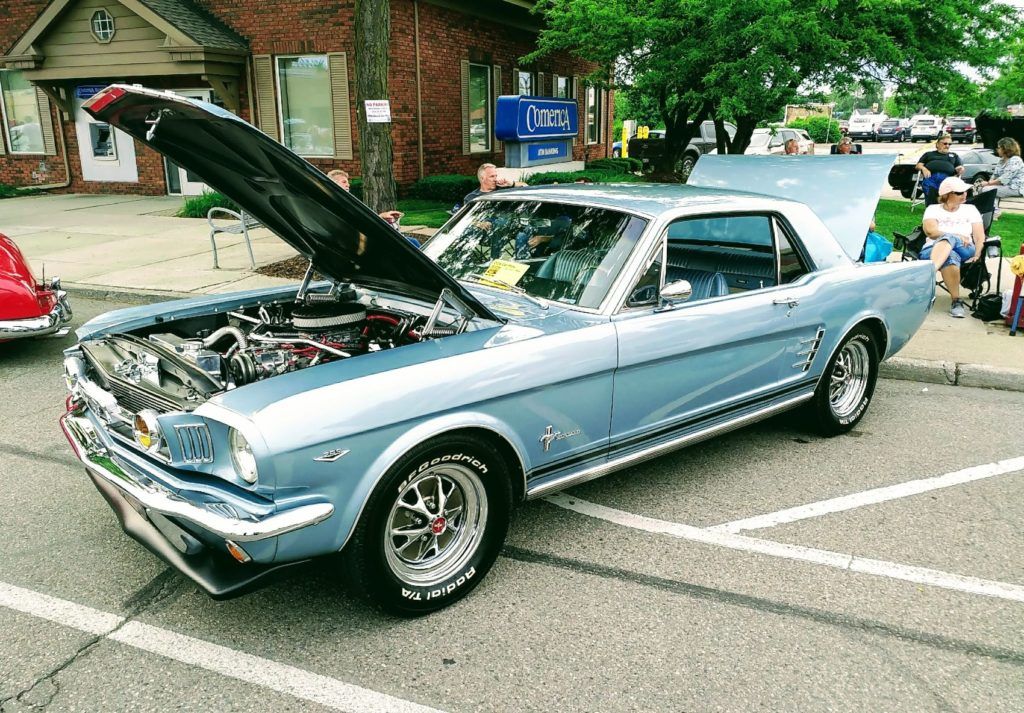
[(715, 354)]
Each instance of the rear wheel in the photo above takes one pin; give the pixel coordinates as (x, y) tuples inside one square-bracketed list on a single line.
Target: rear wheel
[(433, 527), (845, 389), (685, 167)]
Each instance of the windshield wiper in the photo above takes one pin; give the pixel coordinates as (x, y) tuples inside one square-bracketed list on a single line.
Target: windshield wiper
[(496, 282)]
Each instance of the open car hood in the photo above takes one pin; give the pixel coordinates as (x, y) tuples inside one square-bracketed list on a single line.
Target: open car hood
[(338, 232), (842, 190)]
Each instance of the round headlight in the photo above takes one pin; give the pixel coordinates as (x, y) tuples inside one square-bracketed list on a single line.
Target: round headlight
[(146, 430), (242, 457)]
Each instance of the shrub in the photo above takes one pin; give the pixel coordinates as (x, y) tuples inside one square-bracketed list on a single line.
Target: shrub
[(8, 191), (544, 179), (448, 188), (199, 206), (616, 165), (821, 129)]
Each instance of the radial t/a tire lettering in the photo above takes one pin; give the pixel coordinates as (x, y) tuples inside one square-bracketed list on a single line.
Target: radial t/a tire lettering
[(433, 526), (847, 384)]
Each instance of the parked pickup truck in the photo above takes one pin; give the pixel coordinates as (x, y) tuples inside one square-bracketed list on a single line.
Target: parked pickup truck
[(651, 149)]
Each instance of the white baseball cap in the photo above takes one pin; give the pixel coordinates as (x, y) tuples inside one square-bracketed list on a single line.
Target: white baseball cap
[(953, 184)]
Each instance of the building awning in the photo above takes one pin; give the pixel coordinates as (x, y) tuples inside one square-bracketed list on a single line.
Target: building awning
[(76, 41)]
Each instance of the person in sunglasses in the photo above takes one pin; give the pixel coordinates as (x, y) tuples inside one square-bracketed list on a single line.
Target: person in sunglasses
[(954, 236), (937, 165)]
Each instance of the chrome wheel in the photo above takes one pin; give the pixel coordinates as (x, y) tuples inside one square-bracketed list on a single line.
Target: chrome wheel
[(435, 525), (849, 379)]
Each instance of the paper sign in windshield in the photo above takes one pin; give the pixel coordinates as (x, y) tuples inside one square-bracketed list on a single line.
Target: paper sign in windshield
[(504, 273)]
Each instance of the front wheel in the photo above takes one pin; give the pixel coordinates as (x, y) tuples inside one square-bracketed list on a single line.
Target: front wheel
[(845, 389), (433, 527)]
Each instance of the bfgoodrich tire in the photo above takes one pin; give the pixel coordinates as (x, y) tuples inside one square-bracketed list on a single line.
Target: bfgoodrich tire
[(433, 527), (845, 389)]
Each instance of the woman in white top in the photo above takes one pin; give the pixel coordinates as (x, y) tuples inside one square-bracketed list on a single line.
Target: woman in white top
[(955, 235), (1008, 175)]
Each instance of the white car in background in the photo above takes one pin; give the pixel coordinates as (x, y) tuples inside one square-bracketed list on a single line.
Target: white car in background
[(926, 128), (863, 126), (767, 142)]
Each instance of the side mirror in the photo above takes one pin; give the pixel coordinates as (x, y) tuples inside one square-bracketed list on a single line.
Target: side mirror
[(674, 293)]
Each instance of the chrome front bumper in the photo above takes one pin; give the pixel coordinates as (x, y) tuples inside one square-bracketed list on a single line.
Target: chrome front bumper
[(152, 497), (49, 324)]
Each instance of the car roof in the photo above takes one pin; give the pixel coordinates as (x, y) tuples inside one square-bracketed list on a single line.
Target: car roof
[(649, 199)]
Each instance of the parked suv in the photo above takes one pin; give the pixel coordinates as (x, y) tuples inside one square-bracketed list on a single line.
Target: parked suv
[(862, 126), (962, 128), (927, 128), (891, 130)]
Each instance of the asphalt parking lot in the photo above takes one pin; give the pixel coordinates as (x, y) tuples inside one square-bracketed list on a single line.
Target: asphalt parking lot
[(768, 569)]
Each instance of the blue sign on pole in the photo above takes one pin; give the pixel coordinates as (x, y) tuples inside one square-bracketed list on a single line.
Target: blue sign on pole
[(547, 150), (520, 118)]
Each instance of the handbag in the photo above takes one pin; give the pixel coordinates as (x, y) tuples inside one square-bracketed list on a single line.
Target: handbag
[(972, 274), (989, 308)]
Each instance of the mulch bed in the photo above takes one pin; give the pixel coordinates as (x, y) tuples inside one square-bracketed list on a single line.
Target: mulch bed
[(294, 268)]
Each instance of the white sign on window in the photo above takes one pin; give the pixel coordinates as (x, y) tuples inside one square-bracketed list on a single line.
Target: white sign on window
[(378, 111)]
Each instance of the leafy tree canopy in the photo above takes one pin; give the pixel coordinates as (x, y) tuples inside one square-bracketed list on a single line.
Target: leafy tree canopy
[(743, 61)]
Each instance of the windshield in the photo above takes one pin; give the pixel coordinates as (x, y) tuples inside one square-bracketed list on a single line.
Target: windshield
[(566, 253)]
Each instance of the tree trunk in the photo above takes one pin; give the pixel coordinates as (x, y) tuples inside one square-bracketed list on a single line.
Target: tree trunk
[(678, 133), (373, 34), (745, 126)]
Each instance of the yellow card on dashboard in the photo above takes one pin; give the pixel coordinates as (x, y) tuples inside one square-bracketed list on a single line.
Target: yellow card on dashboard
[(504, 272)]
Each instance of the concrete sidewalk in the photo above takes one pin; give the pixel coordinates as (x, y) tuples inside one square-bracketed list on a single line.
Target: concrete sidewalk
[(133, 245)]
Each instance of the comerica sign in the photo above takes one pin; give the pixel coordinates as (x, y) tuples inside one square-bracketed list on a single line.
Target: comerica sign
[(522, 118)]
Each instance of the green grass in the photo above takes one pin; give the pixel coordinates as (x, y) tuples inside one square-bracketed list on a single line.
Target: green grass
[(418, 211), (895, 215)]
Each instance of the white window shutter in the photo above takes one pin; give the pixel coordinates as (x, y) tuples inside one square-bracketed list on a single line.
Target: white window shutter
[(46, 123), (266, 98), (465, 107), (496, 90), (338, 64), (540, 84)]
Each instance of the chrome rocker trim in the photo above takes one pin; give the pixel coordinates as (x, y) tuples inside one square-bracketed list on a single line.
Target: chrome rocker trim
[(594, 472), (155, 498), (46, 325)]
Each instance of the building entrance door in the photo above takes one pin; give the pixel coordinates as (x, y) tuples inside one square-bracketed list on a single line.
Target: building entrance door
[(180, 181)]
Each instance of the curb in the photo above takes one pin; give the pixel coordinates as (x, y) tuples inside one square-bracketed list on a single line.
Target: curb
[(951, 373), (122, 293)]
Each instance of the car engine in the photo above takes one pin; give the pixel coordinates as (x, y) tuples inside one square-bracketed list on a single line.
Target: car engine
[(181, 364)]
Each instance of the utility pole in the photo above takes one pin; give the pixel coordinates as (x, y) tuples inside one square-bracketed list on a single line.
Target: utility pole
[(373, 35)]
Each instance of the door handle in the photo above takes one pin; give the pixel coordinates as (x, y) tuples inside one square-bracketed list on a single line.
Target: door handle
[(790, 302)]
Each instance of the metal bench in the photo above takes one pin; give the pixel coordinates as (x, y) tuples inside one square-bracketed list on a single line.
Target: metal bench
[(240, 224)]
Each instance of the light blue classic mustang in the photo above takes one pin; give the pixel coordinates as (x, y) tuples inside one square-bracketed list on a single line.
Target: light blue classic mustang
[(398, 411)]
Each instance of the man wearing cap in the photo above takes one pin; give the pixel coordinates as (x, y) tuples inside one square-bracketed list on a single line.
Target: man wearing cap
[(955, 235)]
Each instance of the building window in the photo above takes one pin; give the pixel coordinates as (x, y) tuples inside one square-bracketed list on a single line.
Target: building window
[(21, 113), (525, 83), (102, 26), (479, 108), (304, 92), (563, 87), (593, 110), (104, 148)]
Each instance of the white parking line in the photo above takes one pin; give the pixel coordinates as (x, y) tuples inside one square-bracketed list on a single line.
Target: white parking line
[(326, 691), (873, 497), (838, 560)]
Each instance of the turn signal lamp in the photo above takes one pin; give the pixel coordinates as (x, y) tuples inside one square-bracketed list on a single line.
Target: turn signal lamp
[(146, 430)]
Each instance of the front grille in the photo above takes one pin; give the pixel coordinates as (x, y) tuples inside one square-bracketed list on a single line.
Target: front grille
[(195, 443), (134, 399)]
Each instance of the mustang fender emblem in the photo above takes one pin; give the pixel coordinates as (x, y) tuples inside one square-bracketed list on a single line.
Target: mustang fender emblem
[(550, 434), (331, 455)]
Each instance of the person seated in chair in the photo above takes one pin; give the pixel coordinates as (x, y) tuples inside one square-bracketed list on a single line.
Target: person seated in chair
[(938, 165), (845, 147), (955, 235)]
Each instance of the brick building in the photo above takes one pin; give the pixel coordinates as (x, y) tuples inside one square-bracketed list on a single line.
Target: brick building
[(285, 65)]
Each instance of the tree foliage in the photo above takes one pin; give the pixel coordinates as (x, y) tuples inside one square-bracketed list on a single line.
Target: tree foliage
[(743, 61)]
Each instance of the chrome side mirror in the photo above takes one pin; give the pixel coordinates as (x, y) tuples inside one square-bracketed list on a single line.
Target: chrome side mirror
[(674, 293)]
